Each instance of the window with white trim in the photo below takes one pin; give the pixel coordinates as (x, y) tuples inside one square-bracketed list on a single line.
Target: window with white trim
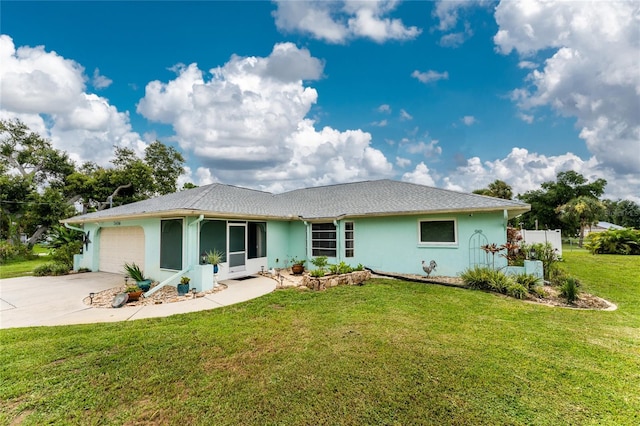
[(323, 239), (349, 246), (438, 232)]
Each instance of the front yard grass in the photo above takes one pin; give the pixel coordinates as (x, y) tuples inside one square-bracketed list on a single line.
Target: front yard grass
[(21, 267), (389, 352)]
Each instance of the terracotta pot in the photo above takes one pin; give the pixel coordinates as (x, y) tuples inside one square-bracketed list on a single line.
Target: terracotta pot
[(134, 295), (297, 269)]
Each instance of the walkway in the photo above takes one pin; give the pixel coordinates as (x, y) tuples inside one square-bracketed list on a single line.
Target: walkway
[(45, 301)]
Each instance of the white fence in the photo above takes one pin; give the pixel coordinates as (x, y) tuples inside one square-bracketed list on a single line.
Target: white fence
[(554, 237)]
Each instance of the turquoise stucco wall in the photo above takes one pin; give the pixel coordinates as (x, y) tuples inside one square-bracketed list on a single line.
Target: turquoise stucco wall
[(391, 244), (151, 228)]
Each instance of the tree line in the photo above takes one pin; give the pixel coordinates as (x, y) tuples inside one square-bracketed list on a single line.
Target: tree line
[(40, 185), (570, 203)]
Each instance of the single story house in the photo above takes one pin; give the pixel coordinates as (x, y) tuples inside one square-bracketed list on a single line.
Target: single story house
[(602, 226), (384, 225)]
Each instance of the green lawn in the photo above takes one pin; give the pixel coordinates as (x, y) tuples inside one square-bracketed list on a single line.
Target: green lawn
[(389, 352), (22, 268)]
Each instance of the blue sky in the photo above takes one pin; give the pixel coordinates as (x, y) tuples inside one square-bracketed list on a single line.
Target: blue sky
[(451, 94)]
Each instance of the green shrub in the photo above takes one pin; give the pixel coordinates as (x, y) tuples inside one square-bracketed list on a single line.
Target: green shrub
[(64, 253), (359, 267), (485, 278), (500, 282), (44, 269), (340, 268), (543, 252), (477, 277), (51, 268), (528, 281), (517, 290), (11, 251), (569, 289), (320, 262), (317, 273), (614, 241), (558, 277), (538, 291)]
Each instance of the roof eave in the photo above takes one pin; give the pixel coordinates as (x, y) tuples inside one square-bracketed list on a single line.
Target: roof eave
[(513, 211), (173, 213)]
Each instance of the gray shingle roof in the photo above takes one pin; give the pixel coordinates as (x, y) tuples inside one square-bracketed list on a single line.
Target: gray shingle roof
[(368, 198)]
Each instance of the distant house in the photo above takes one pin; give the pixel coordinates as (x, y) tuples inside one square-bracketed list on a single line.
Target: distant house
[(384, 225), (601, 227)]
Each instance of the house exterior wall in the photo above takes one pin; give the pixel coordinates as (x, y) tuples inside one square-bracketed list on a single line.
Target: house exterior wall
[(277, 247), (388, 244), (391, 244)]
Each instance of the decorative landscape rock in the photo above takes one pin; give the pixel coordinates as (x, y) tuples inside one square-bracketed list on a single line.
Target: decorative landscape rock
[(322, 283)]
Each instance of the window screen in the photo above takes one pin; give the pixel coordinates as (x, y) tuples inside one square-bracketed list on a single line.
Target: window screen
[(257, 239), (213, 236), (348, 240), (438, 231), (323, 239), (171, 244)]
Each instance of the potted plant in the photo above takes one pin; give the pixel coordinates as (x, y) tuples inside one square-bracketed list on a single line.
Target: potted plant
[(134, 272), (183, 287), (297, 266), (215, 257), (134, 292)]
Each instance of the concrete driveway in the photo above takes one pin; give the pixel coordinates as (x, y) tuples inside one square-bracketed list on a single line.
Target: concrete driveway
[(39, 301)]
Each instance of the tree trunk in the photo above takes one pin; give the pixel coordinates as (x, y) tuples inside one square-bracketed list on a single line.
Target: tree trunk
[(37, 235)]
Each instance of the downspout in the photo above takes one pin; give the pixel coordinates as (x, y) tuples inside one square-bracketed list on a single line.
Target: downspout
[(195, 222), (66, 225), (307, 238), (184, 271), (338, 251)]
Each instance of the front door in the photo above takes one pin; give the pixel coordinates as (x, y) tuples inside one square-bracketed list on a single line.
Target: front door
[(237, 247)]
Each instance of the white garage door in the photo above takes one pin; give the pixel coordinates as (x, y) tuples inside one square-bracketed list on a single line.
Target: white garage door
[(120, 245)]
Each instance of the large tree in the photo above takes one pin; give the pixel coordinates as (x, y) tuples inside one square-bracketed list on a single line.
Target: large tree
[(623, 212), (166, 164), (583, 209), (39, 185), (32, 181), (498, 189), (545, 201)]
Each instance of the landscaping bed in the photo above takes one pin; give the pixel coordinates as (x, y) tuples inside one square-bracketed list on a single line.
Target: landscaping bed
[(167, 294), (551, 296)]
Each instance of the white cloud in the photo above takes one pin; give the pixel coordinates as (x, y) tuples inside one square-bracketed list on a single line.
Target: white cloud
[(469, 120), (403, 162), (525, 171), (420, 175), (384, 108), (527, 65), (590, 72), (100, 81), (447, 14), (405, 116), (339, 21), (249, 123), (48, 93), (428, 150), (381, 123), (429, 76), (527, 118)]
